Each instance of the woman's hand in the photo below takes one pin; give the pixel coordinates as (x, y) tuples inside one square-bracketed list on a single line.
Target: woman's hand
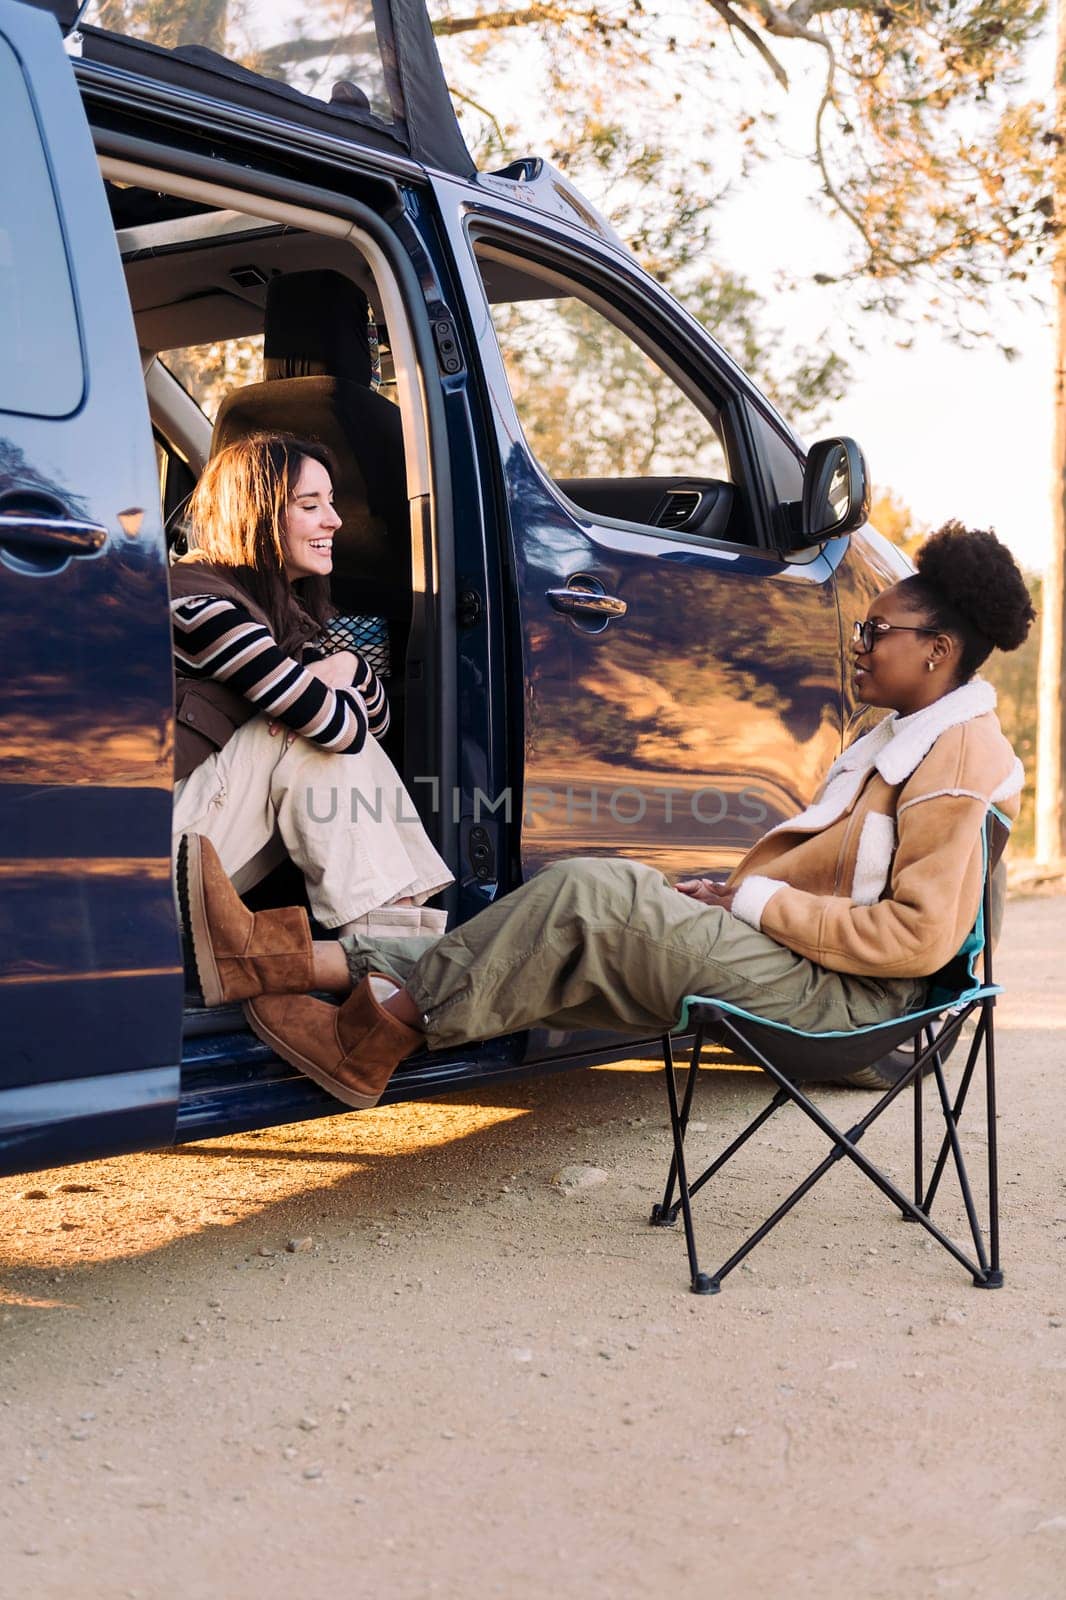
[(336, 671), (707, 892)]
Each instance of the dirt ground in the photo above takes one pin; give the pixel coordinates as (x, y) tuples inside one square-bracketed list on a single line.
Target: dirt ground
[(468, 1382)]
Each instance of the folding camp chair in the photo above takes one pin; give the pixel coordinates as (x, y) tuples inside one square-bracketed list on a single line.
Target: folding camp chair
[(791, 1057)]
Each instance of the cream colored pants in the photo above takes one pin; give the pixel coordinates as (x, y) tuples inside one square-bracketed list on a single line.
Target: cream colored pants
[(346, 820)]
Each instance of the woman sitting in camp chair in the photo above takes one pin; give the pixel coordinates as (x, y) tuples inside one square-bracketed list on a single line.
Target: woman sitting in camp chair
[(834, 920)]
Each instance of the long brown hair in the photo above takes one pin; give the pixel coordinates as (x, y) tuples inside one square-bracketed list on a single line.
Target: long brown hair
[(236, 520)]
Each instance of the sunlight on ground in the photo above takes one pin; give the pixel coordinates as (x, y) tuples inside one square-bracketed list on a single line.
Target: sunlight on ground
[(130, 1205)]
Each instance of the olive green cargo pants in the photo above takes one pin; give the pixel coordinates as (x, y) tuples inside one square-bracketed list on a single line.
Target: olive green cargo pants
[(608, 943)]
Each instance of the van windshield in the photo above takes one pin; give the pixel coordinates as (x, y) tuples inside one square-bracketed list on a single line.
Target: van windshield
[(312, 47)]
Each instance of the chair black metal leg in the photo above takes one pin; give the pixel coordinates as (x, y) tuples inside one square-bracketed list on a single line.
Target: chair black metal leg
[(994, 1276), (960, 1169), (665, 1214), (956, 1110), (701, 1283), (919, 1159)]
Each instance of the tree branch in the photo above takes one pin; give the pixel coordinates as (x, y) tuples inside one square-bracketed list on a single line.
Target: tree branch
[(468, 100), (494, 21), (732, 20)]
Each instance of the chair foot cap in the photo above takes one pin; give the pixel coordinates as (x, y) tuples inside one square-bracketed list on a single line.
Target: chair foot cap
[(662, 1218), (988, 1280), (703, 1283)]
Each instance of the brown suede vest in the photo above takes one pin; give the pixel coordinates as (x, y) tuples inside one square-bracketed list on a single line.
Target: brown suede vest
[(208, 714)]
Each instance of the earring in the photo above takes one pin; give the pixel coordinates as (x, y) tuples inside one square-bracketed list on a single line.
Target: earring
[(931, 665)]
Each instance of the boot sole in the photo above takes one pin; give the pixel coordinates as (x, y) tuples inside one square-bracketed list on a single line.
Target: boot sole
[(348, 1097), (194, 916)]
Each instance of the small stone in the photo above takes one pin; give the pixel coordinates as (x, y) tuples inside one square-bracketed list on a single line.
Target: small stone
[(522, 1355), (1054, 1322), (579, 1177), (308, 1424), (313, 1472), (953, 1316), (739, 1433), (698, 1127), (31, 1550), (35, 1194), (1051, 1525), (446, 1433), (77, 1188), (79, 1433), (87, 1416), (188, 1338), (299, 1247), (345, 1407), (289, 1452), (267, 1250)]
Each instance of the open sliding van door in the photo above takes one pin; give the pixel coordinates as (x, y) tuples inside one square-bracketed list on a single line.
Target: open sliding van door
[(90, 969)]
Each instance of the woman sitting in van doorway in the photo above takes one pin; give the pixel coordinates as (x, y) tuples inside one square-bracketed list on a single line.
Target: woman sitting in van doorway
[(277, 742), (833, 920)]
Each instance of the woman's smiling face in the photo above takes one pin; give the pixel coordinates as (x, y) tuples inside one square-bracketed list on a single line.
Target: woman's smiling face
[(895, 673), (310, 523)]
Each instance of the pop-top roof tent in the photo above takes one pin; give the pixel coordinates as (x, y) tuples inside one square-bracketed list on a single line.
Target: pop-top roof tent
[(366, 67)]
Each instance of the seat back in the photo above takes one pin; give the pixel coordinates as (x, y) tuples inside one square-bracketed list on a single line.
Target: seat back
[(318, 373)]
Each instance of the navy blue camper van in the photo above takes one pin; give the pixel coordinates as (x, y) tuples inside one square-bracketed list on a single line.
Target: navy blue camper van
[(602, 636)]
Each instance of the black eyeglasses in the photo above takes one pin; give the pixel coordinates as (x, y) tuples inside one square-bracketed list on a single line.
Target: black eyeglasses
[(864, 634)]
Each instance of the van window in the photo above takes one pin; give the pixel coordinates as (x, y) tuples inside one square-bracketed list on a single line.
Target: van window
[(592, 402), (41, 371), (208, 372)]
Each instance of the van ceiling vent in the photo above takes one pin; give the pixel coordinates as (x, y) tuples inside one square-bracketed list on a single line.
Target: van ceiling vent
[(248, 277), (677, 508)]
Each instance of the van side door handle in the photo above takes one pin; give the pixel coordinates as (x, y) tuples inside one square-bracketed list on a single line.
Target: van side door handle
[(587, 603), (64, 536)]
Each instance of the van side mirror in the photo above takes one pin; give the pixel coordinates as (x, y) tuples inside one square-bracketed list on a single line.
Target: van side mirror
[(836, 490)]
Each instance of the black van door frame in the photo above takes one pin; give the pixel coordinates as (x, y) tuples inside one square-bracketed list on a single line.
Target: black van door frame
[(432, 740)]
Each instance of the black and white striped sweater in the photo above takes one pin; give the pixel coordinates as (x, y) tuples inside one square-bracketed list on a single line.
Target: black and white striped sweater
[(220, 639)]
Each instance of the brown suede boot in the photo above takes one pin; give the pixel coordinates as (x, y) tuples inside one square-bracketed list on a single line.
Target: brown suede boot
[(238, 953), (352, 1050)]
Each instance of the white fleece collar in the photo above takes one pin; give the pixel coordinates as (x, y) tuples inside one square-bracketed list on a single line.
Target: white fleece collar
[(895, 748)]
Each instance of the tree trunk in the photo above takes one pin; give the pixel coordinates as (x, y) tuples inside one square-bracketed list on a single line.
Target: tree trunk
[(1050, 743)]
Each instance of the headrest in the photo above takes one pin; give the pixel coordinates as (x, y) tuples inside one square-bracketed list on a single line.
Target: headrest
[(316, 326)]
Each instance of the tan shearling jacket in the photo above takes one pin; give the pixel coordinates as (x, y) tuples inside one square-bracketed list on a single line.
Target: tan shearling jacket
[(882, 874)]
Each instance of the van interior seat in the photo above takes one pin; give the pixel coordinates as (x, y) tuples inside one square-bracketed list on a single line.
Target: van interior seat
[(317, 384)]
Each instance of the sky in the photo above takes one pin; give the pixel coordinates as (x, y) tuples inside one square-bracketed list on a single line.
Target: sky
[(952, 432)]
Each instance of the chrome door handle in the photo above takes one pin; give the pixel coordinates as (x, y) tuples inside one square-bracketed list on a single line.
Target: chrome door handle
[(65, 536), (585, 602)]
